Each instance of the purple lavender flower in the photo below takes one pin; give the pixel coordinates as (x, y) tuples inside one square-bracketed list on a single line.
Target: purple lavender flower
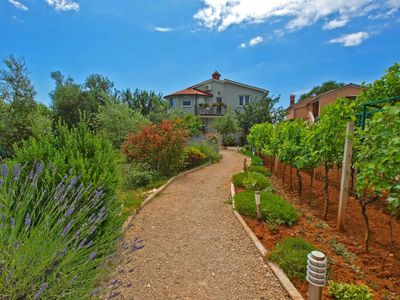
[(16, 245), (92, 255), (90, 244), (70, 211), (67, 228), (4, 170), (74, 279), (12, 222), (28, 220), (17, 171), (64, 252), (3, 217), (41, 290), (82, 243)]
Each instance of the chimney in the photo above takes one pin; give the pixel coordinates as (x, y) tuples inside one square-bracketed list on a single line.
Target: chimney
[(292, 99), (216, 75)]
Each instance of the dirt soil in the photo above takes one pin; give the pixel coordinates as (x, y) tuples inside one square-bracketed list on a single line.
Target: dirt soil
[(187, 244), (379, 269)]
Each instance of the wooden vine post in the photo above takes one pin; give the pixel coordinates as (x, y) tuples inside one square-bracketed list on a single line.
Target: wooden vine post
[(346, 170)]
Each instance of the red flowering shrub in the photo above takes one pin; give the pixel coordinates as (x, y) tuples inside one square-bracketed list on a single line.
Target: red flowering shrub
[(159, 145)]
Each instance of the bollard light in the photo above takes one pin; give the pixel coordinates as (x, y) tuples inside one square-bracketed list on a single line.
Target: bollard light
[(257, 196), (317, 264)]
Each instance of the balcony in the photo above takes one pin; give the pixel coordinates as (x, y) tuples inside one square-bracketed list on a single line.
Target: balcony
[(212, 110)]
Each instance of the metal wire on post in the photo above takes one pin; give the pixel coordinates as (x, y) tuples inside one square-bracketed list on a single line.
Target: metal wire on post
[(316, 274)]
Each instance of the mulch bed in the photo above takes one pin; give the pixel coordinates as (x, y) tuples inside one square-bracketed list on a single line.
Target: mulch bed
[(379, 269)]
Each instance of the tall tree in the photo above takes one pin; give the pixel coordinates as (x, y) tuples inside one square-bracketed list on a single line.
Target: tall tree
[(323, 88), (145, 102), (260, 111), (18, 94)]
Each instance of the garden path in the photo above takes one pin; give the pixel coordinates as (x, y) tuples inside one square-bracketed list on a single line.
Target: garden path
[(193, 246)]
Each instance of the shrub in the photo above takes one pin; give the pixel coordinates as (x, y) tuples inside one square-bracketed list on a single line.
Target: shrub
[(252, 181), (194, 157), (159, 145), (259, 169), (343, 291), (77, 152), (211, 151), (192, 124), (274, 209), (138, 175), (212, 139), (256, 161), (291, 255), (55, 240), (229, 140)]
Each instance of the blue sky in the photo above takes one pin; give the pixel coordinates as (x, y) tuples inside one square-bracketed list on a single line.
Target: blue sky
[(285, 46)]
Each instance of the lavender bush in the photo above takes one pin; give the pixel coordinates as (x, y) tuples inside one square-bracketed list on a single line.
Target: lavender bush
[(54, 241)]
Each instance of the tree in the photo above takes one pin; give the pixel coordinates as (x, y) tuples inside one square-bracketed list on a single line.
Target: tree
[(17, 94), (145, 102), (330, 134), (259, 112), (226, 124), (192, 124), (115, 120), (260, 137), (323, 88)]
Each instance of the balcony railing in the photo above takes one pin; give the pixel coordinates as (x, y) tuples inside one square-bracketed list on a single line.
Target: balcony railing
[(210, 110)]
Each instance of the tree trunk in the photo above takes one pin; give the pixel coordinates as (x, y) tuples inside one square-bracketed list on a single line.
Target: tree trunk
[(311, 186), (300, 181), (367, 231), (272, 165), (338, 178), (353, 172), (326, 192), (283, 175), (290, 180)]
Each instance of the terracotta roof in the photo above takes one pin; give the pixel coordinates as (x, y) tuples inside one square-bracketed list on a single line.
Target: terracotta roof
[(189, 92)]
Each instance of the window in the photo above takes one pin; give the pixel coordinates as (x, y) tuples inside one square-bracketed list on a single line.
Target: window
[(173, 102), (244, 100), (187, 103)]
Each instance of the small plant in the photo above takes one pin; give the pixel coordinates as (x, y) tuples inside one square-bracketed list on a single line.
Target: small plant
[(321, 225), (291, 255), (229, 140), (274, 209), (342, 251), (138, 175), (345, 291), (252, 181), (193, 157), (259, 169), (256, 161)]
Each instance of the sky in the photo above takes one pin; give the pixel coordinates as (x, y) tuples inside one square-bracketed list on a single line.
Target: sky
[(285, 46)]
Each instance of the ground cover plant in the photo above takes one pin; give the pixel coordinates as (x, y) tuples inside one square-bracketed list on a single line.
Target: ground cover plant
[(259, 169), (252, 180), (55, 239), (345, 291), (274, 209), (291, 255)]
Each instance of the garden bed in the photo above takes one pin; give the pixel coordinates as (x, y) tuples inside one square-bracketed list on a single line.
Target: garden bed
[(380, 269)]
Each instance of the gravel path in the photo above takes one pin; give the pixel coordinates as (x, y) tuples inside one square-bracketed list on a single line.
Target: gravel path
[(193, 246)]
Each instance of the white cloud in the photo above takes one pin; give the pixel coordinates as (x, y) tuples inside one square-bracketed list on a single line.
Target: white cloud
[(162, 29), (18, 5), (336, 23), (63, 5), (253, 42), (352, 39), (221, 14)]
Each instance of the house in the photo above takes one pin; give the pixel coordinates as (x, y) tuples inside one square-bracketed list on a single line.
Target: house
[(211, 98), (310, 108)]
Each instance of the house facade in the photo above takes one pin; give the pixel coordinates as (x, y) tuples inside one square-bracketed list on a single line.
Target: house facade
[(309, 109), (211, 98)]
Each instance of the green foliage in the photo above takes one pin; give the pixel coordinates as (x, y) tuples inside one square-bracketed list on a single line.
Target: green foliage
[(41, 121), (320, 89), (291, 255), (55, 236), (260, 137), (237, 179), (259, 169), (139, 175), (274, 209), (146, 102), (209, 148), (255, 160), (378, 156), (341, 250), (191, 123), (259, 111), (229, 140), (252, 181), (115, 120), (78, 149), (193, 157), (16, 104), (226, 124), (386, 87), (344, 291)]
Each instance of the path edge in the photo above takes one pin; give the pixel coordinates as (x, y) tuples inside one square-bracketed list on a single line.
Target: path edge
[(128, 222), (279, 274)]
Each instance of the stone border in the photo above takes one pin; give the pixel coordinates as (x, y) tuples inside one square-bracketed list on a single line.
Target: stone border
[(128, 222), (280, 275)]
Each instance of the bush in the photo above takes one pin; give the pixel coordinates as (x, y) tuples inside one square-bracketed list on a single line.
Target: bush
[(229, 140), (194, 157), (138, 175), (54, 240), (252, 181), (256, 161), (212, 139), (259, 169), (291, 255), (210, 150), (343, 291), (159, 145), (274, 209)]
